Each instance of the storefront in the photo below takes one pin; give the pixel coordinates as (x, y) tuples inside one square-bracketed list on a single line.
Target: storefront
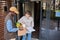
[(43, 12)]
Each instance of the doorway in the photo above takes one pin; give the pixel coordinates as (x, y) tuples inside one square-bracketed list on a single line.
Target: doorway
[(34, 7), (36, 19)]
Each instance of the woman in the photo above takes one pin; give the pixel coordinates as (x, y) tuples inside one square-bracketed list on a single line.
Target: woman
[(29, 24)]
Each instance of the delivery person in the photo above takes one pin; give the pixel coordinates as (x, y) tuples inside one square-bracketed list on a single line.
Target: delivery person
[(10, 29)]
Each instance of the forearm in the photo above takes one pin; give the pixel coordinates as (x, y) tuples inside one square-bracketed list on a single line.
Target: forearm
[(14, 30)]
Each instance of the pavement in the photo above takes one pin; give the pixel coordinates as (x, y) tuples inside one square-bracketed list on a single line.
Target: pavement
[(34, 39), (52, 34)]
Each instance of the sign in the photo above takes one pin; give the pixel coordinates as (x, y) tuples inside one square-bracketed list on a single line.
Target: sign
[(57, 13)]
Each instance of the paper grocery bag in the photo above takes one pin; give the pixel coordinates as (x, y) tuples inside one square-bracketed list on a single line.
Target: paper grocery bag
[(22, 32), (13, 39)]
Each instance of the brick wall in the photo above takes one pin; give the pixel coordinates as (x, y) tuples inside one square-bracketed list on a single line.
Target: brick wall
[(2, 26), (2, 18)]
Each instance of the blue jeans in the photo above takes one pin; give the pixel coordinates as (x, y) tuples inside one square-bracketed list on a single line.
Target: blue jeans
[(18, 38), (27, 36)]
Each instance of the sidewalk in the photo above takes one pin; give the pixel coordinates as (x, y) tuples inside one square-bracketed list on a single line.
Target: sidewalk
[(34, 39)]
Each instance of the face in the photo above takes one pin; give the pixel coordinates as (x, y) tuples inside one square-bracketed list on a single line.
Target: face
[(27, 15), (13, 14)]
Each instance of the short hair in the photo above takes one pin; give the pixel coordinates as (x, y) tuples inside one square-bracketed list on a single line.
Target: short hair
[(28, 12)]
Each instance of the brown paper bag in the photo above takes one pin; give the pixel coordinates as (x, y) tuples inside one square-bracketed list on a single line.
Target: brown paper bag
[(22, 32)]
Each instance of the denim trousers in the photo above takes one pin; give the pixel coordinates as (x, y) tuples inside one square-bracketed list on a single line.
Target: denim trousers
[(27, 36)]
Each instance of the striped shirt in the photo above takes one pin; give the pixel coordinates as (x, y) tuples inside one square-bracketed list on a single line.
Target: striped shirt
[(28, 22)]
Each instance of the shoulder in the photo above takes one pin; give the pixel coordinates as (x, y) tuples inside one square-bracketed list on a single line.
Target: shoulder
[(31, 18), (22, 17), (8, 15), (7, 18)]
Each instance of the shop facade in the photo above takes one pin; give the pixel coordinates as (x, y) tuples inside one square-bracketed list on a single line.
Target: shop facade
[(43, 12)]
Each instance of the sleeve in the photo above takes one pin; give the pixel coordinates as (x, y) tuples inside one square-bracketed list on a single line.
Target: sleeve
[(21, 20), (32, 22), (9, 26)]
